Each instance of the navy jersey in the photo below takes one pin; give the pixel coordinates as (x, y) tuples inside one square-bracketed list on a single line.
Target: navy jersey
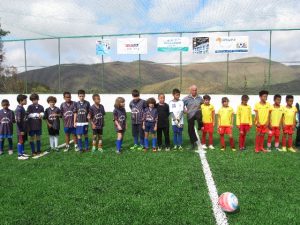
[(82, 110), (150, 115), (52, 116), (67, 111), (7, 118), (163, 115), (137, 110), (34, 120), (120, 116), (21, 119), (97, 116)]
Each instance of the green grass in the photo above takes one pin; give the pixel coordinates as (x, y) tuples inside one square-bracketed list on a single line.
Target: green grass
[(151, 188)]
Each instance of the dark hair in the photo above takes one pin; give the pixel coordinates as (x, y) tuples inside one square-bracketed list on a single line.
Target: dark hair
[(118, 101), (151, 101), (206, 97), (289, 97), (34, 96), (160, 94), (66, 93), (81, 92), (51, 99), (4, 102), (263, 92), (245, 97), (225, 99), (175, 91), (21, 98), (135, 93), (95, 95), (276, 96)]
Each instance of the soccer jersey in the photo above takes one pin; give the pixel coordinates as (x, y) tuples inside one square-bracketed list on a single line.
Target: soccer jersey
[(67, 111), (163, 115), (150, 115), (243, 115), (34, 120), (7, 118), (263, 111), (21, 119), (176, 110), (207, 111), (137, 109), (276, 115), (289, 115), (192, 105), (225, 116), (97, 116), (120, 116), (52, 115), (82, 110)]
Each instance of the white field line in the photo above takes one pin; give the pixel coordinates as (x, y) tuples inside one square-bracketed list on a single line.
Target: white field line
[(220, 216), (46, 153)]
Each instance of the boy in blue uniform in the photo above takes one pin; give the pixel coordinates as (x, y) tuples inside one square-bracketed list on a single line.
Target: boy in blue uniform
[(150, 118)]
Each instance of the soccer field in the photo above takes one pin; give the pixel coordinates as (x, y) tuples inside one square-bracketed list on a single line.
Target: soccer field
[(152, 188)]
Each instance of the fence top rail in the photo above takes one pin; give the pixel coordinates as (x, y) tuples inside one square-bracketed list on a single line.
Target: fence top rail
[(151, 33)]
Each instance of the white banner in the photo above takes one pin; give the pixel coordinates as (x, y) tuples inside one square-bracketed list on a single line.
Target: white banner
[(132, 45), (231, 44), (172, 44)]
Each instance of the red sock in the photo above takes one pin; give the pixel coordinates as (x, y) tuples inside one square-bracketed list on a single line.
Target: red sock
[(257, 142), (283, 140), (269, 140), (261, 143), (276, 141), (241, 140), (222, 141), (210, 138), (290, 141), (203, 137), (231, 141)]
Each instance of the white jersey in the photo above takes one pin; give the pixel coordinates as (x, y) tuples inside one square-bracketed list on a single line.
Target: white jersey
[(176, 107)]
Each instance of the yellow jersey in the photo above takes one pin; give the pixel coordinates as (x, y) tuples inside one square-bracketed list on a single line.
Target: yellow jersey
[(276, 115), (289, 115), (263, 111), (244, 115), (225, 116), (207, 113)]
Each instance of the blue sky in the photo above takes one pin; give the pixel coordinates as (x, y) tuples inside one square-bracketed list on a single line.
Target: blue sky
[(36, 18)]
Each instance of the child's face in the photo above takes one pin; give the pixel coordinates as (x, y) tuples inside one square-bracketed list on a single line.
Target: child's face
[(290, 101), (161, 99), (67, 98), (225, 103), (35, 101), (264, 98), (206, 101), (24, 102), (176, 96), (151, 105), (277, 101), (122, 104), (97, 100), (81, 97), (52, 104), (5, 106), (136, 98), (244, 101)]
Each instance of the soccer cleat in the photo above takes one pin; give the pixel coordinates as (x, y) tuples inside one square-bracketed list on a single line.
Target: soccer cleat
[(25, 155), (277, 149), (167, 149), (100, 149), (159, 149), (134, 147), (264, 150), (211, 147), (140, 147), (93, 148), (66, 149), (77, 149), (180, 148), (204, 146), (222, 149), (233, 149), (154, 150), (118, 152), (22, 157), (291, 149), (145, 150), (268, 149), (175, 148), (56, 149), (283, 149), (1, 152), (10, 152)]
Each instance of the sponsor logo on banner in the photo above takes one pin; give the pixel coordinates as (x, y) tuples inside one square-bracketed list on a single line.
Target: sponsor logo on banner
[(132, 46), (103, 47), (234, 44), (201, 45), (172, 44)]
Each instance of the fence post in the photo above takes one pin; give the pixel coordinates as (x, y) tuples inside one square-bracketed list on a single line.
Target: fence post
[(270, 60), (59, 81), (180, 67), (25, 65), (227, 70), (140, 77), (102, 78)]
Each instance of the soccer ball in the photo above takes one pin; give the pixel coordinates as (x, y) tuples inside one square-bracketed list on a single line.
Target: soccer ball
[(228, 202)]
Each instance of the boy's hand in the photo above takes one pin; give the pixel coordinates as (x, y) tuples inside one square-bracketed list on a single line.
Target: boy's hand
[(49, 125), (75, 124), (88, 117), (143, 127), (22, 133), (93, 126), (155, 128), (119, 127)]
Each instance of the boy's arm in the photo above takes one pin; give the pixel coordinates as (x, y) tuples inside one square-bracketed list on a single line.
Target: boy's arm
[(256, 118), (13, 117), (213, 114), (75, 119), (250, 117), (238, 117), (232, 119)]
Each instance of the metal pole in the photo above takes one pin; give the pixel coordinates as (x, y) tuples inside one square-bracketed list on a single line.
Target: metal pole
[(270, 60), (102, 78), (25, 64), (59, 81), (140, 76), (227, 71), (180, 67)]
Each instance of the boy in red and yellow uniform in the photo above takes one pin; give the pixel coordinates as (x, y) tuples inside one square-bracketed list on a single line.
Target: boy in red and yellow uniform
[(275, 122), (208, 118), (289, 124), (262, 116), (243, 120), (225, 123)]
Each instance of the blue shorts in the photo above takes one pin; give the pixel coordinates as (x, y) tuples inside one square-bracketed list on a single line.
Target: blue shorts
[(81, 130), (149, 127), (5, 136), (70, 130), (35, 132), (177, 129)]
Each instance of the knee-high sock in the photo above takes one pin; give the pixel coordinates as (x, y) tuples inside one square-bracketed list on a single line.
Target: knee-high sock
[(136, 140), (154, 140), (241, 141), (261, 143), (86, 142), (146, 142), (51, 141), (269, 141), (210, 138), (222, 140), (203, 141), (118, 145), (257, 143), (179, 138), (55, 141), (32, 146), (175, 139), (38, 146), (1, 144), (276, 141), (283, 140), (231, 141), (10, 144), (20, 152), (79, 141), (290, 141)]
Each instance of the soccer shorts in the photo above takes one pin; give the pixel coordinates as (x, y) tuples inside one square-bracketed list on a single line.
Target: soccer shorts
[(2, 136), (262, 129), (70, 130), (288, 129), (35, 133), (244, 128), (208, 127), (224, 130), (177, 129), (275, 131), (149, 127), (82, 130), (97, 131)]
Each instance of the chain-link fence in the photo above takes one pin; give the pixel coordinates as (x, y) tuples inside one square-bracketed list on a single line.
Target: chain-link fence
[(70, 63)]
